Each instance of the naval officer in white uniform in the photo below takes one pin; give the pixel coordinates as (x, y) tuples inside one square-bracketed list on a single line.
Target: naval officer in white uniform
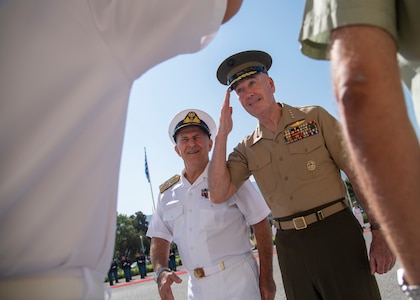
[(213, 239)]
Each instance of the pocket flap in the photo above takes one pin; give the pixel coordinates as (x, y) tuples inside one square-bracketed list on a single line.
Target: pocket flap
[(173, 211)]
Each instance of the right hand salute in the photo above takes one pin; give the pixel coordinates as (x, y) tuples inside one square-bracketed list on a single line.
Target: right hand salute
[(225, 122)]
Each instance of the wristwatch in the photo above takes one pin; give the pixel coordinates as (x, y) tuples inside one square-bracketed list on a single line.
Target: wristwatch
[(160, 271), (411, 291)]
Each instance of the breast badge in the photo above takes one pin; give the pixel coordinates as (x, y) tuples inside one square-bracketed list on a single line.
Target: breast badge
[(311, 165), (205, 193)]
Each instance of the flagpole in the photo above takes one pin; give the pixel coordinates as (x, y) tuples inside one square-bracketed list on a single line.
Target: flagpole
[(146, 170), (153, 199)]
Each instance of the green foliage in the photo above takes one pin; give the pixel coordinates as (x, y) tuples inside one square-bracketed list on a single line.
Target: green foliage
[(350, 189), (131, 236)]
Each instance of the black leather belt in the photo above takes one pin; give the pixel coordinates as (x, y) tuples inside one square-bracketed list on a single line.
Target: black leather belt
[(302, 220)]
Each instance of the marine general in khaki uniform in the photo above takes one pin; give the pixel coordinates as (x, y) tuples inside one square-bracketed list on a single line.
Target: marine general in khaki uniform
[(295, 155)]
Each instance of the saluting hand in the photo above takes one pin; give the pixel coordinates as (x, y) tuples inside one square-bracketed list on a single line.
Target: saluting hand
[(225, 122)]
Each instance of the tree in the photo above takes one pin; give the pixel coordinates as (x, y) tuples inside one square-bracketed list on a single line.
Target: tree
[(131, 235), (350, 189), (140, 222)]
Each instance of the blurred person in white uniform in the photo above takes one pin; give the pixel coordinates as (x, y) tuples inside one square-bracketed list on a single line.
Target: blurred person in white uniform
[(67, 68), (212, 239)]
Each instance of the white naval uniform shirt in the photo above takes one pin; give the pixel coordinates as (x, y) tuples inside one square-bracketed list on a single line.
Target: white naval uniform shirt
[(206, 233)]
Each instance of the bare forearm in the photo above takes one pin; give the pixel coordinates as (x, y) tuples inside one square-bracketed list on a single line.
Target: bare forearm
[(382, 143), (220, 184), (264, 238), (159, 253)]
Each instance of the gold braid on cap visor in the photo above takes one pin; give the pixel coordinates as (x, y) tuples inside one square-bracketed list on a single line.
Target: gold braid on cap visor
[(246, 72), (242, 77)]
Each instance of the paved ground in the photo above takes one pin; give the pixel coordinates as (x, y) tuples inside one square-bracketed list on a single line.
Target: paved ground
[(145, 289)]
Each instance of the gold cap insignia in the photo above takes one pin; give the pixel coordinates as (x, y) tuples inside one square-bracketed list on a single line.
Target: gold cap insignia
[(191, 117)]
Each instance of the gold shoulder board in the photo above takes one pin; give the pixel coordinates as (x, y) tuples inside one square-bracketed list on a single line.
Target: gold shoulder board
[(168, 183)]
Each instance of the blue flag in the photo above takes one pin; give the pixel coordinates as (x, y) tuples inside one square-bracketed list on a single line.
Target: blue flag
[(146, 167)]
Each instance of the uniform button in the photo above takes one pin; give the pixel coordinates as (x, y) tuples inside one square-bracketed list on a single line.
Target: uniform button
[(280, 158), (286, 178), (306, 149), (291, 197)]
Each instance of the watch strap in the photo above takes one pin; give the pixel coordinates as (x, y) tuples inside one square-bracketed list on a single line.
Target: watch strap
[(411, 291), (163, 269)]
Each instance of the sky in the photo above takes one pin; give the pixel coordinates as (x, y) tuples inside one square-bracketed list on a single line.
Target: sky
[(189, 81)]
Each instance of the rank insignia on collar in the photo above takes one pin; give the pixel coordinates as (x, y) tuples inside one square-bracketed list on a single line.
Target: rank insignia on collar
[(205, 193), (300, 132), (292, 116), (168, 183)]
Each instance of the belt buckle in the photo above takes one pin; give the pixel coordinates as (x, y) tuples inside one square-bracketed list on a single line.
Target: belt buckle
[(301, 220), (199, 273)]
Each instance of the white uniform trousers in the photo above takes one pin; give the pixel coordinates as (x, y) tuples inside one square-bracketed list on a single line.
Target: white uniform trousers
[(239, 281)]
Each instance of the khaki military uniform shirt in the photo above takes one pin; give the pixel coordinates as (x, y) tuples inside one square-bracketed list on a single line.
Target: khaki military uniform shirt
[(297, 167)]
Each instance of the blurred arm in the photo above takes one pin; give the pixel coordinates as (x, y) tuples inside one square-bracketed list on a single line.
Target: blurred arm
[(382, 143), (233, 7)]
